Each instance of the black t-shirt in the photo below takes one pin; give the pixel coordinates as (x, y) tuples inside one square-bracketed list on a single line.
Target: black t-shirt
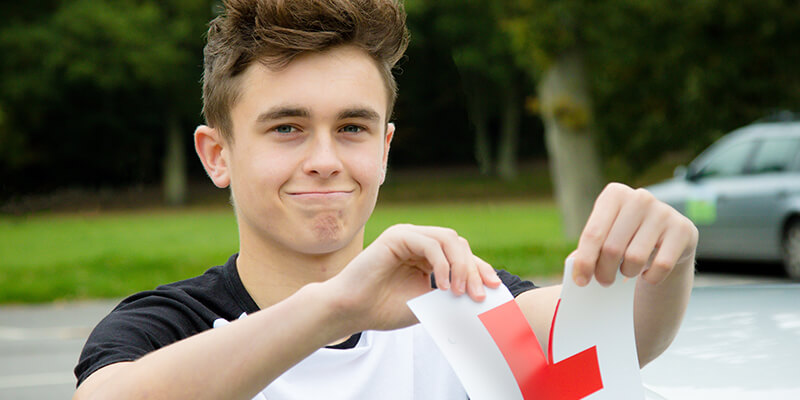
[(150, 320)]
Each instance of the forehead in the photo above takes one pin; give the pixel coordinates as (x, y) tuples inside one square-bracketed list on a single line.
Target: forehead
[(322, 82)]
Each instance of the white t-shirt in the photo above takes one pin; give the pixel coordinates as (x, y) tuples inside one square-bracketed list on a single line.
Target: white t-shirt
[(403, 364)]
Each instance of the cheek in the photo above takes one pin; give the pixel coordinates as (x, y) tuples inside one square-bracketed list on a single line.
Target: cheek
[(262, 170), (367, 170)]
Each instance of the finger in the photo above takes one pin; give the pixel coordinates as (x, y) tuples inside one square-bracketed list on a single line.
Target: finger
[(594, 234), (462, 265), (475, 288), (474, 281), (456, 250), (572, 253), (642, 248), (415, 246), (488, 274), (622, 232), (667, 255)]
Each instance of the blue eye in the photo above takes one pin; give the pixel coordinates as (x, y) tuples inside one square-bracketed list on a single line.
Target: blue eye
[(352, 129), (285, 129)]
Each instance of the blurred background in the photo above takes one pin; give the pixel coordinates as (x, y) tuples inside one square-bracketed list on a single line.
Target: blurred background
[(512, 116)]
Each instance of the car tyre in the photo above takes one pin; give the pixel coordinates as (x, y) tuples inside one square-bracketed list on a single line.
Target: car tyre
[(791, 250)]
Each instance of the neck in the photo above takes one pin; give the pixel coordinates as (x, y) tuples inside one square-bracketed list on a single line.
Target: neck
[(271, 273)]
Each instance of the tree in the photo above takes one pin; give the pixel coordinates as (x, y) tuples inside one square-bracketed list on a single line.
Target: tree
[(547, 38), (143, 53), (643, 78), (490, 79)]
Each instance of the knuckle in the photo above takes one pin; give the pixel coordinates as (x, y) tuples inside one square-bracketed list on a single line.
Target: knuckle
[(581, 264), (661, 266), (616, 187), (604, 277), (593, 234), (396, 227), (644, 196), (612, 250), (666, 211), (690, 227), (694, 230), (450, 233), (635, 257)]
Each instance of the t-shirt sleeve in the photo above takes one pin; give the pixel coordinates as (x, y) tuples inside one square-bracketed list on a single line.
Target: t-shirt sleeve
[(139, 325), (515, 284)]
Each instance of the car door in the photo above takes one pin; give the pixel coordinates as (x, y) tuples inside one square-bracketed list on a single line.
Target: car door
[(749, 203), (720, 177), (766, 183)]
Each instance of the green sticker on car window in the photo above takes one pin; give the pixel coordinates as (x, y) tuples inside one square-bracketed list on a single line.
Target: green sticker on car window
[(701, 211)]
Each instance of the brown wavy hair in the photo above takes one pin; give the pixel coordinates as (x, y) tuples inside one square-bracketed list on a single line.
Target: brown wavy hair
[(274, 32)]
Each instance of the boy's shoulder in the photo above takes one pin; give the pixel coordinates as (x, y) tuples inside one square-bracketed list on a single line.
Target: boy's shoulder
[(152, 319), (218, 292)]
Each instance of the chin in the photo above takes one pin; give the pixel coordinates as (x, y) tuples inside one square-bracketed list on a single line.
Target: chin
[(327, 246)]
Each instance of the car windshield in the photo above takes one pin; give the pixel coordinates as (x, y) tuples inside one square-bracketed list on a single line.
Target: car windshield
[(728, 160), (774, 155)]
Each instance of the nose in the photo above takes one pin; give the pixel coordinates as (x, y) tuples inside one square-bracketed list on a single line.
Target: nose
[(322, 159)]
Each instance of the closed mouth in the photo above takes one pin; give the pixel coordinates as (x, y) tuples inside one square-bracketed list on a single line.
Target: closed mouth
[(319, 192)]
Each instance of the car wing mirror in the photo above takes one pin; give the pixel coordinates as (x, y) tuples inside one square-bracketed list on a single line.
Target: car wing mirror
[(681, 172)]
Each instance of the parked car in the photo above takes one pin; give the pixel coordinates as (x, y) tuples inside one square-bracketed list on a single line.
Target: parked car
[(743, 193), (735, 343)]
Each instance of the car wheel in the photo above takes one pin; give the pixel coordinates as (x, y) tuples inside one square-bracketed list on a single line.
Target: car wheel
[(791, 250)]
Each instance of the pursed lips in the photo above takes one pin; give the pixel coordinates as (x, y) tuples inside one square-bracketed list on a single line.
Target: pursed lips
[(320, 195)]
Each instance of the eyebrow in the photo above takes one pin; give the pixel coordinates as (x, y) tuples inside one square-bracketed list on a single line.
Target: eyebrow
[(279, 112), (361, 112)]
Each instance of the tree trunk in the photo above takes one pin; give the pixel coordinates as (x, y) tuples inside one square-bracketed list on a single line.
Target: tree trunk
[(574, 160), (174, 173), (479, 116), (507, 148)]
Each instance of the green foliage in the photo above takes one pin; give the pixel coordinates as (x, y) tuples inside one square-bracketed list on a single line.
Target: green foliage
[(57, 257), (666, 76), (102, 73), (492, 83), (476, 43)]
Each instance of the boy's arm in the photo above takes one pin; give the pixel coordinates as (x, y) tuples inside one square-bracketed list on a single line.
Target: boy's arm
[(631, 231), (238, 360), (235, 361)]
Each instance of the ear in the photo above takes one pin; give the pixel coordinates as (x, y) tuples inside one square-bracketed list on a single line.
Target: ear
[(386, 144), (213, 151)]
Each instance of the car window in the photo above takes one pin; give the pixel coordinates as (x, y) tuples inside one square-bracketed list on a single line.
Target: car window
[(774, 155), (727, 161)]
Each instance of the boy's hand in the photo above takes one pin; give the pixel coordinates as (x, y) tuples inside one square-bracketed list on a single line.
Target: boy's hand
[(632, 231), (374, 287)]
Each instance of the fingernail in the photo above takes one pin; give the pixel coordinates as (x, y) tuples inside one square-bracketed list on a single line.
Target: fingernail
[(581, 280)]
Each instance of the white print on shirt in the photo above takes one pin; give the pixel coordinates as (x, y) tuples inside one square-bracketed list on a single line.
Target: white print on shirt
[(220, 322)]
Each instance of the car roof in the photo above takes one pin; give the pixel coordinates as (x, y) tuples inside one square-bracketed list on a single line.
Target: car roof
[(754, 131), (767, 129)]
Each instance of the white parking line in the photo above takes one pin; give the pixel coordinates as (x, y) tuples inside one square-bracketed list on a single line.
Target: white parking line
[(34, 380), (56, 332)]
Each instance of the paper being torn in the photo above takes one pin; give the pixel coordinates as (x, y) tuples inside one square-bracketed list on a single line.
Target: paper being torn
[(496, 355)]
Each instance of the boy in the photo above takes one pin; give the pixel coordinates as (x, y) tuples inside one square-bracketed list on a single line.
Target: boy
[(297, 97)]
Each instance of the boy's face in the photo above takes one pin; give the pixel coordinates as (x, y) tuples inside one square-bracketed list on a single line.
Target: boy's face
[(309, 151)]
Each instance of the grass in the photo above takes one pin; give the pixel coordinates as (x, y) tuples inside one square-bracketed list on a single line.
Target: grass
[(522, 237), (47, 257)]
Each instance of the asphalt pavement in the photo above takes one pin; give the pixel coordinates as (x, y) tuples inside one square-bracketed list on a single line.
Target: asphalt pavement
[(40, 344)]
